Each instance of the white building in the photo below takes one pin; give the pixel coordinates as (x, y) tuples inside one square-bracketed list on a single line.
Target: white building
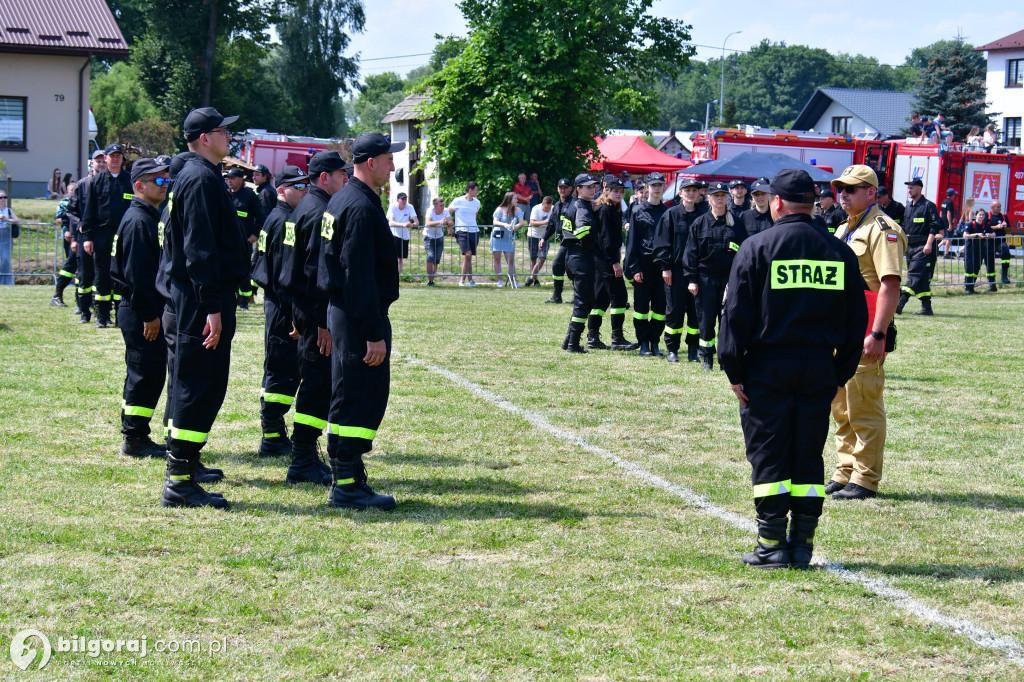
[(420, 182), (850, 112), (1005, 85)]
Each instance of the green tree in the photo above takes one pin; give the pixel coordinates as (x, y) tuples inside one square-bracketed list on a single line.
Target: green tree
[(378, 95), (446, 48), (118, 101), (312, 71), (536, 80), (953, 84)]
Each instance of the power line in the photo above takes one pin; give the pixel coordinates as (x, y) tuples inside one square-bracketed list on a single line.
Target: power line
[(399, 56)]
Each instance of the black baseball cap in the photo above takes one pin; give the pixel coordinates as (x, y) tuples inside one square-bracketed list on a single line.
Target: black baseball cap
[(654, 178), (794, 185), (235, 172), (177, 163), (718, 188), (615, 183), (608, 178), (325, 162), (290, 175), (203, 120), (402, 195), (826, 192), (737, 183), (163, 158), (882, 190), (564, 182), (260, 168), (761, 185), (916, 181), (369, 145), (146, 166), (584, 180), (692, 182), (113, 148)]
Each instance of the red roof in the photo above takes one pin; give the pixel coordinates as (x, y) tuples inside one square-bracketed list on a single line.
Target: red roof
[(632, 154), (76, 27), (1014, 41)]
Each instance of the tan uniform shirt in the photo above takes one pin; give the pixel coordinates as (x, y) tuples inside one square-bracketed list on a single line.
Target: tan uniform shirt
[(879, 243)]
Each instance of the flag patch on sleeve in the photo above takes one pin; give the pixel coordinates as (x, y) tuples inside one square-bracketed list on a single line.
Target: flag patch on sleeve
[(892, 237)]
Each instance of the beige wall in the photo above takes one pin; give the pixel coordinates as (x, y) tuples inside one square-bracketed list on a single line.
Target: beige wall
[(51, 135)]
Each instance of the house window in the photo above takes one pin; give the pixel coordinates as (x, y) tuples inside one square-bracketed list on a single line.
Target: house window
[(841, 124), (1014, 73), (12, 122), (1011, 131)]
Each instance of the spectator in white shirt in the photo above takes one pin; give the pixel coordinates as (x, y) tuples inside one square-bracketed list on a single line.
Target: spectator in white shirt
[(401, 218), (539, 216), (467, 233), (433, 236)]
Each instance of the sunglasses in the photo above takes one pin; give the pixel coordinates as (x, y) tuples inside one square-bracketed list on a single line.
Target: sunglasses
[(3, 196), (299, 185), (160, 182), (853, 189)]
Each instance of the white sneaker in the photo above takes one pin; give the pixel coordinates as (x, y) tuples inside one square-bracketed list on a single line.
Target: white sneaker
[(472, 283), (501, 283), (463, 284)]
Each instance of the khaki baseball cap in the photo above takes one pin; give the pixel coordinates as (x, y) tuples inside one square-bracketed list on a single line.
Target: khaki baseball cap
[(856, 175)]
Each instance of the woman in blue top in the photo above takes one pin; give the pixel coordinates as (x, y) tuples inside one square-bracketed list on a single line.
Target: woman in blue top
[(507, 219)]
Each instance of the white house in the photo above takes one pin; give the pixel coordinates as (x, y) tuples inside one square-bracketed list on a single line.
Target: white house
[(407, 126), (851, 112), (1005, 85)]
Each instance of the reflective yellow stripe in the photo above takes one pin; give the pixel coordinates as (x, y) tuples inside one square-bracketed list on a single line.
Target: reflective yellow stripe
[(807, 490), (135, 410), (102, 298), (707, 344), (581, 232), (924, 294), (182, 477), (733, 246), (599, 313), (289, 234), (918, 220), (558, 278), (776, 488), (190, 436), (65, 273), (278, 398), (907, 290), (117, 297), (351, 432), (692, 330), (581, 320), (766, 541), (618, 311), (242, 214), (86, 290), (309, 420), (127, 197), (658, 317), (807, 274), (641, 316), (671, 332), (271, 435)]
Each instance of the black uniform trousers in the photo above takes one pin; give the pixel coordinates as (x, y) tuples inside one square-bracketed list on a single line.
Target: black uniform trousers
[(558, 264), (359, 395), (144, 382), (169, 326), (680, 309), (86, 274), (979, 252), (580, 266), (248, 288), (785, 423), (649, 304), (200, 379), (99, 272), (710, 293), (920, 267), (313, 397), (69, 271), (280, 364)]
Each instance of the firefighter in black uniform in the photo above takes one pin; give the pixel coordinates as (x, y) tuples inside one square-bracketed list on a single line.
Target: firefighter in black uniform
[(280, 360), (715, 237), (204, 263), (580, 241), (890, 206), (832, 214), (792, 331), (561, 208), (359, 271), (759, 217), (264, 181), (648, 287), (108, 197), (73, 225), (251, 216), (997, 221), (611, 287), (739, 198), (979, 249), (922, 226), (669, 244), (298, 279), (135, 260)]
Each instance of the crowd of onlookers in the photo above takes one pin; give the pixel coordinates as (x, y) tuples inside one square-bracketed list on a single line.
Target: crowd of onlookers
[(935, 131), (59, 186)]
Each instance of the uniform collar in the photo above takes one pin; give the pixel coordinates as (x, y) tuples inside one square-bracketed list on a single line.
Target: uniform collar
[(146, 206)]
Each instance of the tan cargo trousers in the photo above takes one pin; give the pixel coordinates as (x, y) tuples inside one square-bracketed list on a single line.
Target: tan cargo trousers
[(859, 412)]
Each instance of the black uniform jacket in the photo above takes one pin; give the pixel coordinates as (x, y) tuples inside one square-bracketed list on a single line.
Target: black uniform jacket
[(737, 211), (298, 277), (894, 210), (711, 247), (755, 222), (358, 264), (105, 202), (73, 213), (671, 235), (250, 212), (203, 240), (609, 232), (834, 217), (136, 260), (268, 198), (791, 289), (920, 220), (558, 211), (579, 228), (640, 238), (266, 267)]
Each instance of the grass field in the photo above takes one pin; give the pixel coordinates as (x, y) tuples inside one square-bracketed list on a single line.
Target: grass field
[(513, 553)]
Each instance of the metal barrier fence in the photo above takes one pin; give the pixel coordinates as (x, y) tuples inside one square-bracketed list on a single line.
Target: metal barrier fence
[(37, 252), (415, 266), (953, 253)]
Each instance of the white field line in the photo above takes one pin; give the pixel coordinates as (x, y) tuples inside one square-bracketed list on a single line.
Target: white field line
[(1007, 646)]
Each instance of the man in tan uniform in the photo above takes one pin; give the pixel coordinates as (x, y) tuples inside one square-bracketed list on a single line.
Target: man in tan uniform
[(858, 408)]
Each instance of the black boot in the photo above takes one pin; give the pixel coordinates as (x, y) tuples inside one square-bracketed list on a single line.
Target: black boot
[(655, 351), (801, 540), (205, 474), (619, 341), (275, 442), (575, 332), (672, 346), (645, 349), (350, 491), (772, 549), (565, 341), (305, 466), (142, 447), (904, 297), (1006, 273), (556, 295), (926, 306), (709, 363), (102, 314), (691, 352), (594, 341), (58, 300), (84, 308), (181, 488), (992, 283)]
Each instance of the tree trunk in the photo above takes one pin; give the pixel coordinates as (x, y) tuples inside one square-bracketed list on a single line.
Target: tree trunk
[(211, 40)]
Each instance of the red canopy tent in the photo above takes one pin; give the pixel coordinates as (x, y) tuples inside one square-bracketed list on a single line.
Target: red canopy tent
[(632, 154)]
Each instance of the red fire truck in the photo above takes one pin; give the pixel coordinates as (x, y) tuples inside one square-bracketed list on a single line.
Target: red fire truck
[(984, 176), (275, 150)]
